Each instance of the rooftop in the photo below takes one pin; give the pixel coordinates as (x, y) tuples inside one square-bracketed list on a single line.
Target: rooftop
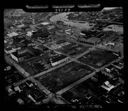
[(115, 28), (12, 34)]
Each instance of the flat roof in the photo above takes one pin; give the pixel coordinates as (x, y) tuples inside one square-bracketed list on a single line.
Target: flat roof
[(12, 34), (45, 23), (115, 28)]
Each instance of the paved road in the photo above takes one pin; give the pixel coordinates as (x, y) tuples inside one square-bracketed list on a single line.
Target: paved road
[(85, 78), (56, 67), (17, 66), (40, 86), (29, 77)]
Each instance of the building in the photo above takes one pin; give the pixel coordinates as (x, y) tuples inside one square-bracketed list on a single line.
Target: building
[(107, 86), (83, 34), (12, 34), (114, 28), (51, 27), (11, 50), (20, 26), (29, 33), (57, 59), (21, 54), (45, 23), (41, 33), (93, 40)]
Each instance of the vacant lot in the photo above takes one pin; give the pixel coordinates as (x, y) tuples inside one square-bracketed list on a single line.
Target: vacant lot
[(64, 76), (98, 57)]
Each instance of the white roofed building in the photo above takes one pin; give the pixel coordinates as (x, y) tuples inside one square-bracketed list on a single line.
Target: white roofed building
[(12, 34), (45, 23), (114, 28)]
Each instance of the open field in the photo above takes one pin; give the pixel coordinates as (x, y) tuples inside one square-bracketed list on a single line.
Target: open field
[(64, 76), (98, 58)]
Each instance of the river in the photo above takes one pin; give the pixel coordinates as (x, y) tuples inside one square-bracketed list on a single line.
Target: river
[(64, 18)]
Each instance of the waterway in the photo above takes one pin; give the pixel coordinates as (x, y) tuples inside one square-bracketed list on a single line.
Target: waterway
[(64, 18)]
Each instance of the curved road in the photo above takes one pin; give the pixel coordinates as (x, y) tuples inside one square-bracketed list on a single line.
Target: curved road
[(64, 18)]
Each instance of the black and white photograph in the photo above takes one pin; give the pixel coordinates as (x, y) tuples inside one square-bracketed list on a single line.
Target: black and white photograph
[(64, 57)]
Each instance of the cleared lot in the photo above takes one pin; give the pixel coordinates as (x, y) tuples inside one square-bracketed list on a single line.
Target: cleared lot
[(98, 58), (64, 76)]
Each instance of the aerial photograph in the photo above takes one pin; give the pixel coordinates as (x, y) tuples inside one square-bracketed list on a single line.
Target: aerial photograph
[(72, 58)]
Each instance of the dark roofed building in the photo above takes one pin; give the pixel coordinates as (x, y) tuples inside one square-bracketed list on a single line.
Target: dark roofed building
[(17, 39), (21, 56), (41, 33), (25, 54), (35, 52)]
